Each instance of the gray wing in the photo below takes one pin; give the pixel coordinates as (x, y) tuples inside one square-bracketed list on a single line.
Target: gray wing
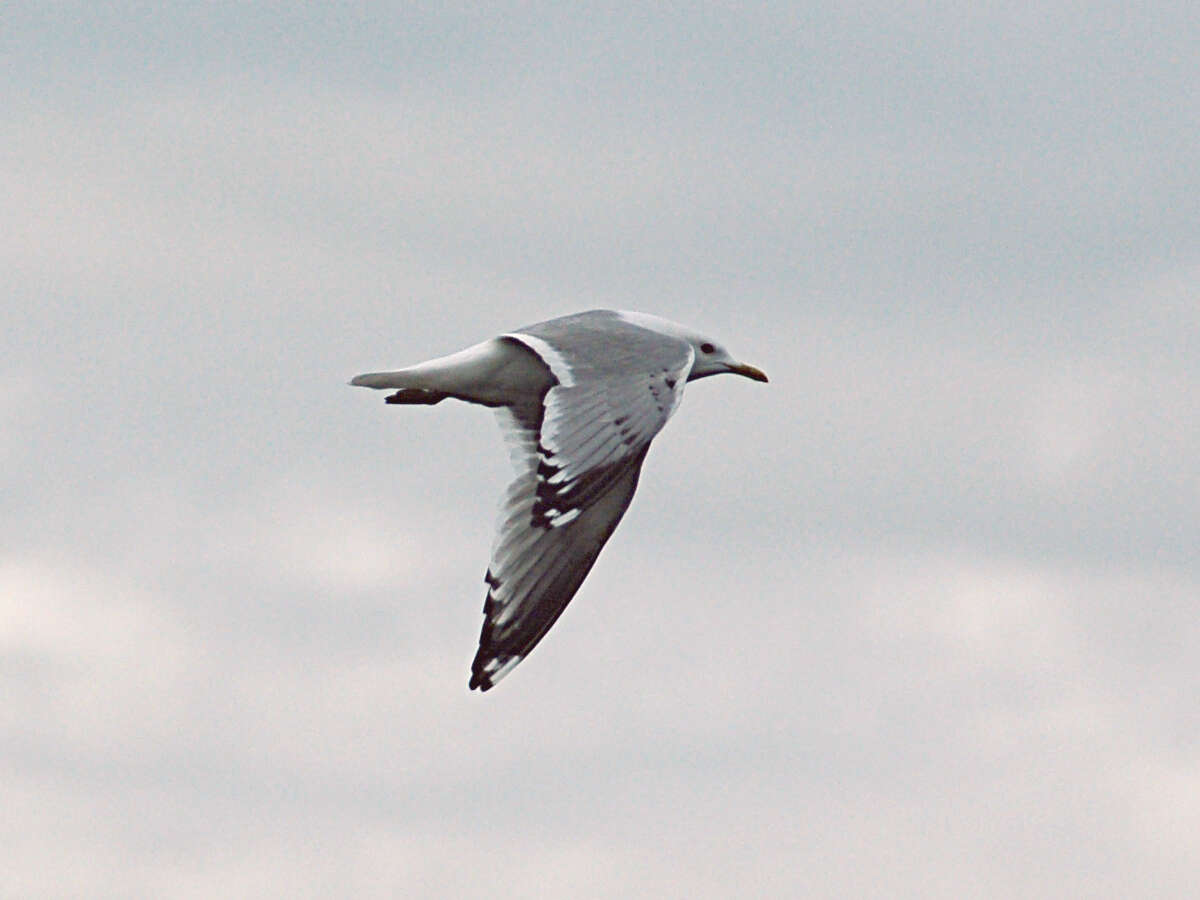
[(578, 456)]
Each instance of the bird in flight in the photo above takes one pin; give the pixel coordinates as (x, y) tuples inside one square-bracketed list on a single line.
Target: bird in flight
[(579, 400)]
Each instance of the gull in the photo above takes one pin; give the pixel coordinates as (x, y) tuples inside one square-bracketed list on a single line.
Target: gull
[(579, 399)]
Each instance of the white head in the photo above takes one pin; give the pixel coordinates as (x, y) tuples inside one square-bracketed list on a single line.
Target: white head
[(711, 357)]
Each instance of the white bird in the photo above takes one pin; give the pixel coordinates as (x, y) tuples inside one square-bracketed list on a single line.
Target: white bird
[(579, 399)]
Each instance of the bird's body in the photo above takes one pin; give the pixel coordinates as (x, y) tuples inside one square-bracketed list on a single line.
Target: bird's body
[(579, 399)]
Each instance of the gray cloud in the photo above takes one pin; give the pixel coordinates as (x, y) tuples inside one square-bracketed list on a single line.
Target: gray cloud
[(915, 619)]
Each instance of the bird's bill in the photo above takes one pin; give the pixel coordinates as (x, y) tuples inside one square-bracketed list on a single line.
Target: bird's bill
[(749, 371)]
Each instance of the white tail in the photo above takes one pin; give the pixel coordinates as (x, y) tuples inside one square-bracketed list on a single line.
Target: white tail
[(380, 380), (495, 372)]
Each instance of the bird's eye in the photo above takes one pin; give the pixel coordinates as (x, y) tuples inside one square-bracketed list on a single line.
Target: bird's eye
[(707, 348)]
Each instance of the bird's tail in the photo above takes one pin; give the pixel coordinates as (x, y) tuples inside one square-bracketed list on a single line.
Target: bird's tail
[(406, 385), (476, 375), (381, 380)]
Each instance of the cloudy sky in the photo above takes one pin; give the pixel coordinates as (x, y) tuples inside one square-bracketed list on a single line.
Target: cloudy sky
[(916, 619)]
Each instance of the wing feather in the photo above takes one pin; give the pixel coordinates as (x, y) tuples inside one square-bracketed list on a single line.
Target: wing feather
[(578, 456)]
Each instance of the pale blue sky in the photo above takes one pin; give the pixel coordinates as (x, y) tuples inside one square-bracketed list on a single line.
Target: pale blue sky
[(916, 619)]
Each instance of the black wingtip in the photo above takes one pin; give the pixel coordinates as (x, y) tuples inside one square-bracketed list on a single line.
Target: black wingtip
[(479, 682)]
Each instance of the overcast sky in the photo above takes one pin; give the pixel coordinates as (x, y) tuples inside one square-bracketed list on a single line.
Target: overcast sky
[(916, 619)]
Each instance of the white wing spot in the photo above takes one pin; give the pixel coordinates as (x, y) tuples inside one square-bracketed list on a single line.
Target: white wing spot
[(561, 519)]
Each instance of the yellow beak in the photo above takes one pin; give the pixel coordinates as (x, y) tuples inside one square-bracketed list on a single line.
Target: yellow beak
[(749, 371)]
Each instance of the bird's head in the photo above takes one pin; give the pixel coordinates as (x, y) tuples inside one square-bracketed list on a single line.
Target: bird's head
[(711, 357)]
